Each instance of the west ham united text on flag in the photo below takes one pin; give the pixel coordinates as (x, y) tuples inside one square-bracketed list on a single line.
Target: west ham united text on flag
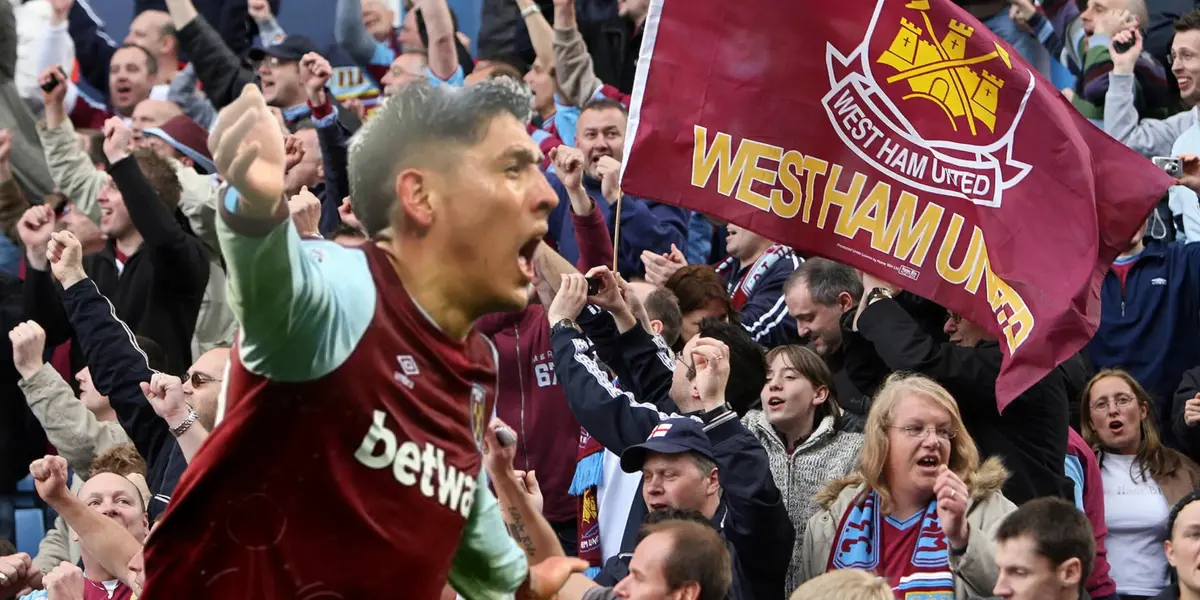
[(900, 137)]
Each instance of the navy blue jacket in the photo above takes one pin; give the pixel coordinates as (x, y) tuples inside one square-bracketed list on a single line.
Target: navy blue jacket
[(118, 368), (752, 517), (1152, 329), (645, 225), (764, 314)]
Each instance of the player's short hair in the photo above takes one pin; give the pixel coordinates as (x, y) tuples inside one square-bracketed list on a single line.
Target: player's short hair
[(151, 62), (1190, 21), (826, 280), (698, 554), (161, 176), (746, 358), (409, 125), (1058, 529), (662, 306)]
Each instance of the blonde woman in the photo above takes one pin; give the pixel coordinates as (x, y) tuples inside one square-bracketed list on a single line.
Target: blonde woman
[(799, 425), (919, 510), (1142, 479)]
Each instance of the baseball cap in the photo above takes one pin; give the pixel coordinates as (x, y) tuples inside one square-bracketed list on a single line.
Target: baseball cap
[(186, 136), (293, 47), (671, 436)]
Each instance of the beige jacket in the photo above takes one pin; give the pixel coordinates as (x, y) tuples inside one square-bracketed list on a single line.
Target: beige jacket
[(79, 179), (974, 572), (79, 437)]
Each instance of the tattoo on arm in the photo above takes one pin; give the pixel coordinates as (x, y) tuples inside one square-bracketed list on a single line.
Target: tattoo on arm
[(516, 529)]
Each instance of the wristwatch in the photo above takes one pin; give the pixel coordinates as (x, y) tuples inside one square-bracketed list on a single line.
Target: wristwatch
[(179, 430), (877, 294), (566, 324)]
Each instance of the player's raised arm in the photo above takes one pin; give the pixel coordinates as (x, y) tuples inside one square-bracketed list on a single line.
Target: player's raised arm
[(296, 324)]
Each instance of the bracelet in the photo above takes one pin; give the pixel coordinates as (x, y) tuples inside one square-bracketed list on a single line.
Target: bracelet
[(179, 430), (529, 10)]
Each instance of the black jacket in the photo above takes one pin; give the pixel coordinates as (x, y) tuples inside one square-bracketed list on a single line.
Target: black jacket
[(753, 518), (223, 74), (1187, 437), (118, 368), (335, 157), (1030, 437), (22, 439), (160, 288)]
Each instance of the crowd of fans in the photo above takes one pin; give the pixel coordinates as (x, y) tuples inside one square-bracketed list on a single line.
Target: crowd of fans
[(700, 412)]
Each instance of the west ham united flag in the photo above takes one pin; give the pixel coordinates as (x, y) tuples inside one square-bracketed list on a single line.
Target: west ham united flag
[(900, 137)]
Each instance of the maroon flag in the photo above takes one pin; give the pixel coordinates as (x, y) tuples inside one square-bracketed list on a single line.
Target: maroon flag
[(903, 138)]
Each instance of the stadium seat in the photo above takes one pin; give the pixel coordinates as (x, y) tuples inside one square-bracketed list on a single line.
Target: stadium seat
[(26, 496), (31, 527)]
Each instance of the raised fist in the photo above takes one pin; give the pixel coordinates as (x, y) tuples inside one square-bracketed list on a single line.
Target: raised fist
[(315, 72), (65, 582), (50, 478), (568, 163), (248, 150), (117, 138), (166, 396), (34, 229), (29, 344), (65, 254), (259, 10), (306, 213)]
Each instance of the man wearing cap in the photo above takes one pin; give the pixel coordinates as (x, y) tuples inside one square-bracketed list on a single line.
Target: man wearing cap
[(703, 459)]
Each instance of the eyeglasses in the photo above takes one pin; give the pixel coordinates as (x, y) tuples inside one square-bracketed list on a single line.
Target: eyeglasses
[(691, 369), (198, 379), (920, 432), (1120, 401)]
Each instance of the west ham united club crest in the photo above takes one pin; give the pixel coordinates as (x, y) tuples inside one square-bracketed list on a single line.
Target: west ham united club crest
[(478, 413)]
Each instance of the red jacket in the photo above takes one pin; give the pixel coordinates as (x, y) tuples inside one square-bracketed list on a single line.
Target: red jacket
[(530, 400), (1099, 582)]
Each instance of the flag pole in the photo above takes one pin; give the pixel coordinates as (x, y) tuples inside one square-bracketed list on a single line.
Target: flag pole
[(617, 233)]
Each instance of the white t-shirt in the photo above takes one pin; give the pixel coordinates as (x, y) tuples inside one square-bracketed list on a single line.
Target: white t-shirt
[(1136, 513)]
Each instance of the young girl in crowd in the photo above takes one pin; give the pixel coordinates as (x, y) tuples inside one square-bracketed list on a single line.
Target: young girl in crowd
[(1142, 479), (799, 425)]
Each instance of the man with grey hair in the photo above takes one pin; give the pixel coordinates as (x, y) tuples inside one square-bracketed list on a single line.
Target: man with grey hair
[(817, 294), (364, 362)]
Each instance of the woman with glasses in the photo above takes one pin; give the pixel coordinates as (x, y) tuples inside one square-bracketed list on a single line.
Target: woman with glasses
[(1142, 480), (919, 510), (798, 422)]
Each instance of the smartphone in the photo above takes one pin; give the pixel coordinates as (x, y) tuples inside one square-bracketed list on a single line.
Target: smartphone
[(1172, 165), (54, 82), (506, 437), (1122, 47), (593, 286)]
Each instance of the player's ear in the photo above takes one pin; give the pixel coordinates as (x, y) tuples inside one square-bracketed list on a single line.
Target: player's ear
[(415, 200)]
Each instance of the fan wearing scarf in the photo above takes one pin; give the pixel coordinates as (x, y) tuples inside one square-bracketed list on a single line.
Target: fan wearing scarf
[(919, 510)]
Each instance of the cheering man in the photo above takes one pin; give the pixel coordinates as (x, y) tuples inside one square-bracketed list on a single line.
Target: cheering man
[(347, 464)]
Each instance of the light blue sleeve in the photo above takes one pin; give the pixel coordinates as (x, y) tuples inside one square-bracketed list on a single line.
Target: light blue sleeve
[(35, 595), (383, 55), (303, 306), (1074, 471), (489, 565), (565, 118), (458, 79)]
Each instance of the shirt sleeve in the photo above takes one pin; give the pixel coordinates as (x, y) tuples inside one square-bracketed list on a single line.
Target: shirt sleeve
[(458, 79), (303, 306), (489, 565)]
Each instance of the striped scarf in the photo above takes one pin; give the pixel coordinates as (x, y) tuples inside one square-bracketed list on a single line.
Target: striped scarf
[(589, 474), (740, 288)]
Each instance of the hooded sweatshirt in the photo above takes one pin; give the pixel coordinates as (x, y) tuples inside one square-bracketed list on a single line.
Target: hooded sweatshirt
[(530, 400)]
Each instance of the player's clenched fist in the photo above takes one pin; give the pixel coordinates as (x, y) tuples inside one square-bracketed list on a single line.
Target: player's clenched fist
[(247, 148)]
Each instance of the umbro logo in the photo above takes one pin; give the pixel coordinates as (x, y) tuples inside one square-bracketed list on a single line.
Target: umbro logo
[(408, 370), (1158, 281)]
